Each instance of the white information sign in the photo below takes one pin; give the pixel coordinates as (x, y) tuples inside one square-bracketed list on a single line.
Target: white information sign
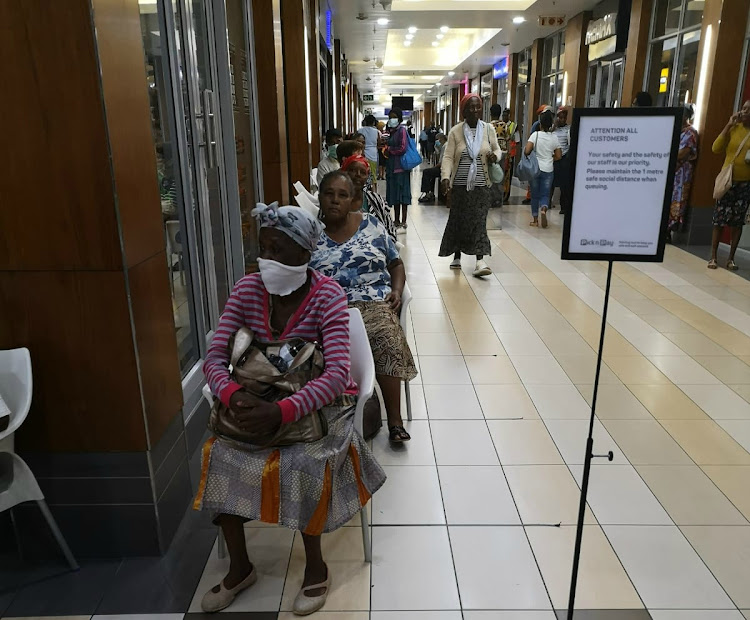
[(622, 172)]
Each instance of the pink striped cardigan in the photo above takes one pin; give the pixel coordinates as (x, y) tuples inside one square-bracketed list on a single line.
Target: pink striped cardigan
[(322, 317)]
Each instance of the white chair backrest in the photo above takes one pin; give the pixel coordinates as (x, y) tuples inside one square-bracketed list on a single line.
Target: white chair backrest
[(314, 177), (363, 364), (16, 385), (405, 301), (307, 204), (173, 227), (208, 394)]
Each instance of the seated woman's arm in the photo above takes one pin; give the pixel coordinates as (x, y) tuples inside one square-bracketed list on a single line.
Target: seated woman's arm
[(398, 280), (216, 366), (335, 378), (381, 211)]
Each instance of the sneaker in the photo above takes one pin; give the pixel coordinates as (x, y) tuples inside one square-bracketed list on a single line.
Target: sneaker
[(481, 269), (456, 264)]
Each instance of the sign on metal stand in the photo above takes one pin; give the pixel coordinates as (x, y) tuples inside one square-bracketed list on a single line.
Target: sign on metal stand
[(622, 172)]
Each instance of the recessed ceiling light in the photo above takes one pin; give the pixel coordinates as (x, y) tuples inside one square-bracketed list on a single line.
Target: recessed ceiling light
[(429, 91), (382, 21), (451, 73), (519, 20), (412, 29), (444, 29), (435, 43), (440, 36), (437, 83), (407, 43), (409, 37)]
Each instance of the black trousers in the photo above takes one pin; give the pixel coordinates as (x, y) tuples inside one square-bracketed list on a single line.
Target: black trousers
[(429, 176), (562, 180)]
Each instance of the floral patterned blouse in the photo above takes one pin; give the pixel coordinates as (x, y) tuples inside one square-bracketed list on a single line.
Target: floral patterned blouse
[(359, 264)]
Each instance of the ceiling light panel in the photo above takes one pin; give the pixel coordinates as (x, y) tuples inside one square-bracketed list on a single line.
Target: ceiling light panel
[(427, 54), (461, 5)]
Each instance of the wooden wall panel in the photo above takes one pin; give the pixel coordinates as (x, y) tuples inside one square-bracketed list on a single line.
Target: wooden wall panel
[(728, 21), (57, 210), (293, 36), (513, 86), (337, 92), (154, 328), (577, 58), (315, 94), (77, 326), (123, 74), (635, 58), (535, 90), (271, 102)]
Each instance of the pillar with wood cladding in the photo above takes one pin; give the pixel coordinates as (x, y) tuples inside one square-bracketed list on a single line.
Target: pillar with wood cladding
[(576, 58)]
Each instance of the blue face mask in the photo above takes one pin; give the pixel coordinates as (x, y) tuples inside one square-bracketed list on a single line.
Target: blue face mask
[(332, 151), (392, 122)]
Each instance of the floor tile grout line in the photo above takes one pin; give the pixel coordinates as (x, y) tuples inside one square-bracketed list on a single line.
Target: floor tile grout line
[(515, 504), (654, 495)]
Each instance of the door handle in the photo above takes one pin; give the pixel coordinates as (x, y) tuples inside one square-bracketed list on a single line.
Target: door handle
[(209, 127)]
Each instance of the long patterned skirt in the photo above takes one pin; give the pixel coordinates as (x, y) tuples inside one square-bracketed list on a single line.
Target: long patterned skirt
[(390, 349), (466, 230), (731, 208), (312, 487)]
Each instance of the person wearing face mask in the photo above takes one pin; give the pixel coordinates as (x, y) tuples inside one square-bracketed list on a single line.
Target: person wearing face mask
[(314, 487), (471, 148), (362, 257), (330, 162), (398, 180), (365, 199)]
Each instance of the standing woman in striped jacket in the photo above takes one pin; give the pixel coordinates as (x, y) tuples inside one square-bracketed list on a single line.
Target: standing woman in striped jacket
[(311, 487)]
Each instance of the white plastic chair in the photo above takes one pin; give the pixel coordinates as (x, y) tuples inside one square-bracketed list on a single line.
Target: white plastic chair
[(17, 482), (363, 373), (314, 177), (301, 189), (304, 201)]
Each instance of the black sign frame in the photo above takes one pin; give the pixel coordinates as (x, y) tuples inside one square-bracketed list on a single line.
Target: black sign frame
[(578, 113)]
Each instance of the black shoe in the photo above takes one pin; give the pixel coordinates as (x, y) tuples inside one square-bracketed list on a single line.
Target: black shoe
[(526, 201)]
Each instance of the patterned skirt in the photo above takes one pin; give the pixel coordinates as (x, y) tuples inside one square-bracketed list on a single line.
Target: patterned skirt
[(398, 188), (466, 230), (311, 487), (731, 208), (390, 349)]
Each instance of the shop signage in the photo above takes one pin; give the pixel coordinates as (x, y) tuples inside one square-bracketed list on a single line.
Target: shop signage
[(602, 29), (500, 69), (329, 30), (551, 20), (622, 172), (368, 98)]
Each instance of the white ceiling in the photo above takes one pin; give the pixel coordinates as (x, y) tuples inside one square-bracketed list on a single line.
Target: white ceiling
[(479, 33)]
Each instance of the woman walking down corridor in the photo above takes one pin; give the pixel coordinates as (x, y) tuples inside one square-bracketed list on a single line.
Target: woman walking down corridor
[(471, 148), (683, 176), (548, 151), (398, 180), (731, 208)]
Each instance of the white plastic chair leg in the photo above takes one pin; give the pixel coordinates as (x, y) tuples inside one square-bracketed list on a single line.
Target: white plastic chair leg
[(366, 535), (407, 389), (222, 545), (57, 534)]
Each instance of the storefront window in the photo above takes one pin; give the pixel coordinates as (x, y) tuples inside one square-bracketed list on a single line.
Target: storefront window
[(553, 70), (169, 179), (673, 52)]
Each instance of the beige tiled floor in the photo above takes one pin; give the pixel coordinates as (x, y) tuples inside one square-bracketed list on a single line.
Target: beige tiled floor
[(467, 524)]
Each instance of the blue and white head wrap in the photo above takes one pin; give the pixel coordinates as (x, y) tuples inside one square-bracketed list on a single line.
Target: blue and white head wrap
[(303, 228)]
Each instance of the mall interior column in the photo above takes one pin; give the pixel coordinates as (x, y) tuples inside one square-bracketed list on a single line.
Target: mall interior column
[(727, 22), (84, 281), (535, 93), (513, 86), (577, 58), (271, 101), (316, 97), (637, 52), (293, 15)]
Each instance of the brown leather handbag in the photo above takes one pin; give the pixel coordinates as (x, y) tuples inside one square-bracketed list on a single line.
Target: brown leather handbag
[(271, 371)]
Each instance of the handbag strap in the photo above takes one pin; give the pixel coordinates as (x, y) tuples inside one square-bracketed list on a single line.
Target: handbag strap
[(739, 150)]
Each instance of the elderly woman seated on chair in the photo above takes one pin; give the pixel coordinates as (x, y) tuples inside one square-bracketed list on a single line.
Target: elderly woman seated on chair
[(314, 487), (357, 252)]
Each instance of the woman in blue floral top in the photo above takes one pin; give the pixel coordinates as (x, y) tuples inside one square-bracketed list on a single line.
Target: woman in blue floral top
[(357, 252)]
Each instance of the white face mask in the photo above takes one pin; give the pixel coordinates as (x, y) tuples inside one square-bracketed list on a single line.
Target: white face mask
[(281, 279), (392, 122)]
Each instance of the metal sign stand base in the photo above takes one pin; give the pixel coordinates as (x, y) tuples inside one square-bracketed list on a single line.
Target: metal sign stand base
[(589, 454)]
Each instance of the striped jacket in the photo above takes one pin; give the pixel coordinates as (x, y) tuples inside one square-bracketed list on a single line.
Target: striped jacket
[(322, 317)]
